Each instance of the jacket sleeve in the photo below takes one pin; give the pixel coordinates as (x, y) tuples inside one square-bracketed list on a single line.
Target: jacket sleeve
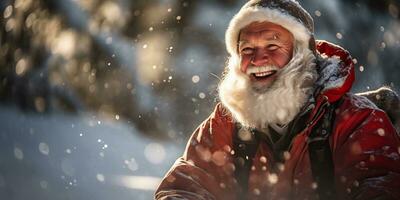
[(366, 154), (205, 171)]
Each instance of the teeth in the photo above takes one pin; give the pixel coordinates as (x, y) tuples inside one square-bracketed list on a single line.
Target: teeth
[(263, 74), (262, 69)]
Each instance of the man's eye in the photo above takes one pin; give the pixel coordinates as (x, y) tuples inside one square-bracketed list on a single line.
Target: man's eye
[(247, 51), (272, 47)]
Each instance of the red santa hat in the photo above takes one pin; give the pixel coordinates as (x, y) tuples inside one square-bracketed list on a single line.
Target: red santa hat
[(286, 13)]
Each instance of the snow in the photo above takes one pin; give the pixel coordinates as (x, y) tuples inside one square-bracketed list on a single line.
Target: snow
[(100, 177), (44, 148), (70, 157), (263, 159), (314, 185), (155, 153), (318, 13), (381, 132), (131, 164), (195, 79), (43, 184), (256, 191), (18, 153), (272, 178), (330, 75), (68, 147), (245, 134), (339, 36), (202, 95), (219, 158)]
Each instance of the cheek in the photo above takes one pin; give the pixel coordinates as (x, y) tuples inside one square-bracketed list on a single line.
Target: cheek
[(244, 63), (282, 58)]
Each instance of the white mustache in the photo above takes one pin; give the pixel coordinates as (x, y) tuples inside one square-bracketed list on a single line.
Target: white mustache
[(255, 69)]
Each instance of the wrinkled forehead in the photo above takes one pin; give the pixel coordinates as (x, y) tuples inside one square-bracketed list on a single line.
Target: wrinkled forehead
[(266, 30)]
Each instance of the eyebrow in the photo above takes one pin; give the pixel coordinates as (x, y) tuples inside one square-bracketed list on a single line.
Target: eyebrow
[(243, 42)]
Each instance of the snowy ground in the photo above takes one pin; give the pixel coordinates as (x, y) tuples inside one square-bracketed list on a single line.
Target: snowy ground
[(69, 157)]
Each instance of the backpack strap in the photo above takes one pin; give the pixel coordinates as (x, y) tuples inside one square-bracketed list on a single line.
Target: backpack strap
[(245, 145), (320, 154)]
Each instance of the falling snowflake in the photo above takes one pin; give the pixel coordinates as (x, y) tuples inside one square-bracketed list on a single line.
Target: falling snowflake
[(67, 167), (155, 153), (381, 132), (18, 153), (100, 177), (202, 95), (383, 45), (273, 178), (44, 148), (195, 79), (131, 164), (263, 159), (109, 40), (256, 191), (8, 12), (314, 185), (43, 184)]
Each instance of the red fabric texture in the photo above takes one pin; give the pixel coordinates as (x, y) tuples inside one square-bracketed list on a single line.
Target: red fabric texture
[(365, 149)]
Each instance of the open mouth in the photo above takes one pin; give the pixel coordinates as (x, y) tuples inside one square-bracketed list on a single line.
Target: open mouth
[(263, 75)]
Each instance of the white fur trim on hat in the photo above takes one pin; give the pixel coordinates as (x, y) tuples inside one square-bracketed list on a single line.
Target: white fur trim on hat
[(249, 14)]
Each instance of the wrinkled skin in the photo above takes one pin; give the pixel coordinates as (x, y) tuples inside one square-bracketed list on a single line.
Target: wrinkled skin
[(261, 45)]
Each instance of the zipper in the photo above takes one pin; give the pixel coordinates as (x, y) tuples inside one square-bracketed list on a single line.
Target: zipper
[(320, 111)]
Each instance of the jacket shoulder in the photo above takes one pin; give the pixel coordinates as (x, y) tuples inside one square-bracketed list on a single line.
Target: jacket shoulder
[(205, 164), (214, 133), (359, 102), (358, 118), (365, 149)]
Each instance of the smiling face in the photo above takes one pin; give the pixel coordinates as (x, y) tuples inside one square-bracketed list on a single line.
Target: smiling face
[(264, 49)]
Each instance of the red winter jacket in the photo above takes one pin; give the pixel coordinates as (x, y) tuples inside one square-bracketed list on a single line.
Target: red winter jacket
[(365, 152)]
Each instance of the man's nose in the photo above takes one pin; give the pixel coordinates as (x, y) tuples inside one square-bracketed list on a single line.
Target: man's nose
[(260, 58)]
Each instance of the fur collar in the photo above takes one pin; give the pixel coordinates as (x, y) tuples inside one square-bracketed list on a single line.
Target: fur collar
[(335, 69)]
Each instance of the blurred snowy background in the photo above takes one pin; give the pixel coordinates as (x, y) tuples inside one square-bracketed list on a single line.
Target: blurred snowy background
[(98, 97)]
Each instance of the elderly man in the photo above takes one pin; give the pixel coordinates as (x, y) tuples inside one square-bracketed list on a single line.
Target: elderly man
[(286, 127)]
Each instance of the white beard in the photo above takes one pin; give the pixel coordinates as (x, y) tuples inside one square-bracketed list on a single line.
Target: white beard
[(278, 104)]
